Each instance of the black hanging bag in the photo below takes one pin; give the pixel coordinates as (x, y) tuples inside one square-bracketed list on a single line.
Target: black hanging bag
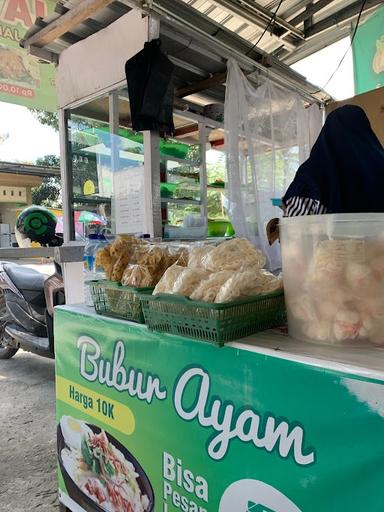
[(150, 87)]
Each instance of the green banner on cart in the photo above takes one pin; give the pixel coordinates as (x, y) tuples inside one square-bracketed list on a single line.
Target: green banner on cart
[(23, 80), (368, 53), (149, 422)]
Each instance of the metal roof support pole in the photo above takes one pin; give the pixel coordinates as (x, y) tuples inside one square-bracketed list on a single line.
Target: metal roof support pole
[(152, 183), (203, 137), (114, 112), (310, 10), (66, 176), (114, 128), (114, 131), (153, 27), (342, 15)]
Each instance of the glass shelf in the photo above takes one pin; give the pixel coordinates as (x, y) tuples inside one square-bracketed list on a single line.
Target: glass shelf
[(173, 200), (91, 200), (180, 161)]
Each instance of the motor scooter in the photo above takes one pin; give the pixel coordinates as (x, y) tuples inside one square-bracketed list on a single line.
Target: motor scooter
[(27, 299)]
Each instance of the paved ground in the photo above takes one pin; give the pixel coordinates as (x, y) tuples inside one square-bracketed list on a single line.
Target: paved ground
[(27, 435)]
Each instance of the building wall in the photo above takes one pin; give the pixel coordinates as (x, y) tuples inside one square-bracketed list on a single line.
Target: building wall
[(8, 214), (372, 103), (8, 210), (19, 180)]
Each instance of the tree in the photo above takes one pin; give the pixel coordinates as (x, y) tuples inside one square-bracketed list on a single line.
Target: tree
[(47, 118), (52, 119), (49, 192), (216, 172), (49, 161)]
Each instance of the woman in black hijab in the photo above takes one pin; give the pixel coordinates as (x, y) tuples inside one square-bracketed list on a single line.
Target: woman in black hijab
[(344, 172)]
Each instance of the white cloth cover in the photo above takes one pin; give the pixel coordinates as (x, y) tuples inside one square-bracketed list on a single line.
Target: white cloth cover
[(268, 134)]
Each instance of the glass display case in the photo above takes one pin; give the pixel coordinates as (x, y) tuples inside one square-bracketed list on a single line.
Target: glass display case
[(121, 181), (181, 193)]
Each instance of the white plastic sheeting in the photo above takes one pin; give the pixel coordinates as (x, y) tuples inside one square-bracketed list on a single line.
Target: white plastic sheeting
[(268, 134)]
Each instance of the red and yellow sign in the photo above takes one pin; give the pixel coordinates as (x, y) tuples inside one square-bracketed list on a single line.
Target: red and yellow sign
[(23, 80)]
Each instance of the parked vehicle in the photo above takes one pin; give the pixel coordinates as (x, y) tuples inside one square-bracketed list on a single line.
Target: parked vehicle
[(27, 297)]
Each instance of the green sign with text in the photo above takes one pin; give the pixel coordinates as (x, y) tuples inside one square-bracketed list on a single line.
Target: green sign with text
[(368, 53), (149, 422)]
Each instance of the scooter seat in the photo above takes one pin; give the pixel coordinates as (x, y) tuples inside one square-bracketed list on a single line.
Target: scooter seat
[(25, 279)]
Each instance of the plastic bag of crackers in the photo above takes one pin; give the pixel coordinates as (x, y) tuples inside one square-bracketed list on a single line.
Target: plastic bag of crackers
[(137, 263)]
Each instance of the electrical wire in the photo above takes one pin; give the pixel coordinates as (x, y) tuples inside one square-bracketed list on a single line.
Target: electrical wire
[(349, 47), (272, 19)]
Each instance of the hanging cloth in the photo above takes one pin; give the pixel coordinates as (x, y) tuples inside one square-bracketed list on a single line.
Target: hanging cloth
[(150, 87), (268, 133)]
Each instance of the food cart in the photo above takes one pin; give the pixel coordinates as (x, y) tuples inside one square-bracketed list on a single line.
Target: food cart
[(261, 424), (150, 421)]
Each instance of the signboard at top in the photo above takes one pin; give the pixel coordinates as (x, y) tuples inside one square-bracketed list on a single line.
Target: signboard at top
[(23, 80), (368, 53)]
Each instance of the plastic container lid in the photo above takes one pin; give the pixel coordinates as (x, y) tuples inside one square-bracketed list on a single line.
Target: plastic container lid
[(333, 217)]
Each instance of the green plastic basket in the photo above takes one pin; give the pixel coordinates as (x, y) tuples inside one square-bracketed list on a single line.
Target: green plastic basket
[(214, 323), (113, 299)]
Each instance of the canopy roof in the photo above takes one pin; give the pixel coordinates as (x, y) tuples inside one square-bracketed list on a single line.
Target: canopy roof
[(28, 169), (198, 38), (199, 35), (300, 28)]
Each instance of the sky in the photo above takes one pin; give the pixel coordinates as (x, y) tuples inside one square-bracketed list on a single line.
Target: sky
[(28, 139), (319, 67)]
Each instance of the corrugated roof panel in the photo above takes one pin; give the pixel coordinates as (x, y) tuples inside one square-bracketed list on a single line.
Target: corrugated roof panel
[(218, 15), (195, 3), (234, 24), (292, 46), (241, 28), (330, 9), (202, 5), (210, 9), (291, 8), (250, 33), (288, 9), (270, 44)]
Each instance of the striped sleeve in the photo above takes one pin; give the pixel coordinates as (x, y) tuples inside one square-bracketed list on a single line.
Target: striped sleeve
[(296, 206)]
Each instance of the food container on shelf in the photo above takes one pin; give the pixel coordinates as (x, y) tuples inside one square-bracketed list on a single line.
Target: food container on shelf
[(167, 189), (173, 149), (194, 228), (333, 268), (185, 233), (218, 227)]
